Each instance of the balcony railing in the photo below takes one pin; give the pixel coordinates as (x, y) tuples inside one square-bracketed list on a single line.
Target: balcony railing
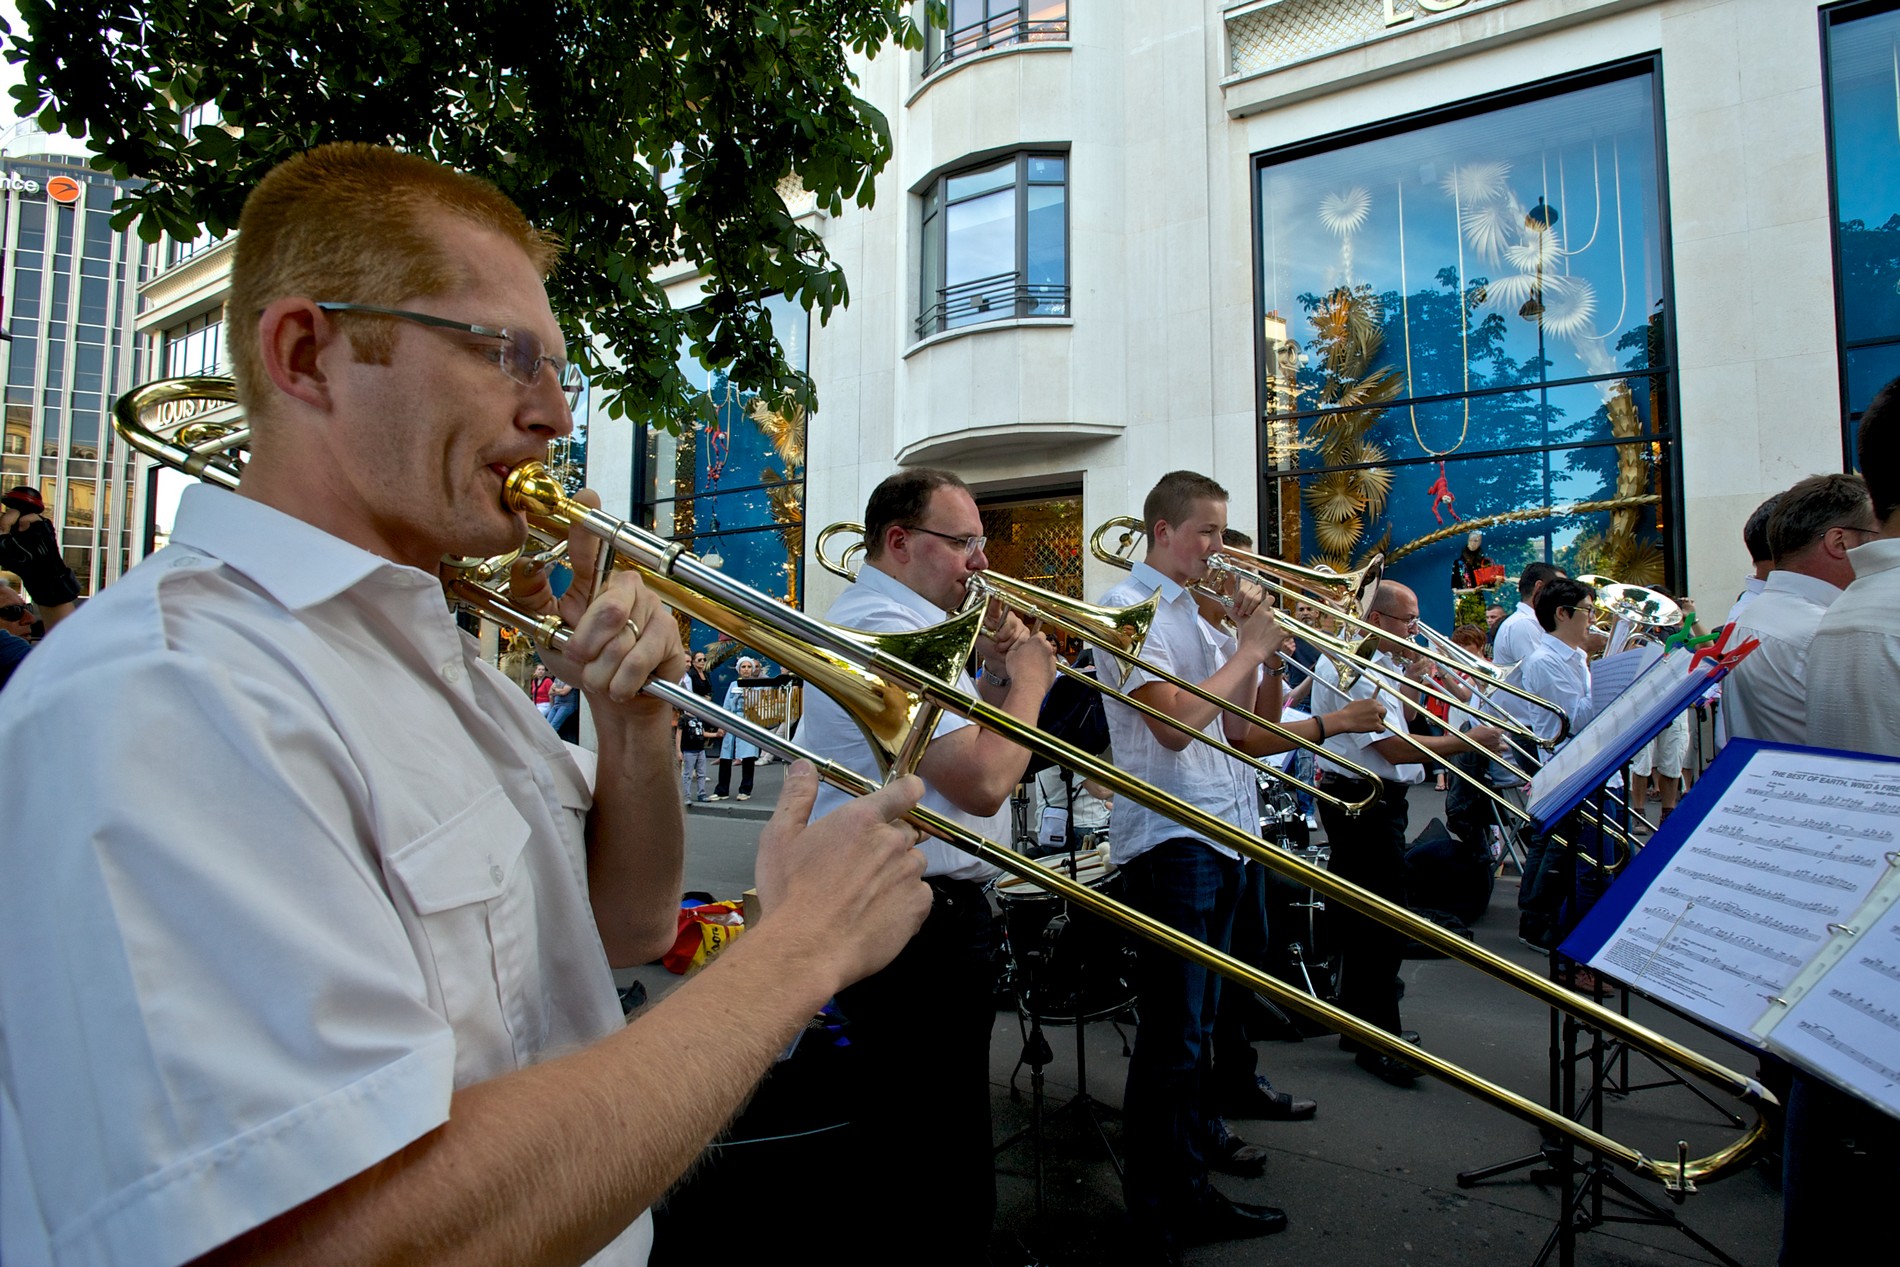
[(995, 31), (1004, 297)]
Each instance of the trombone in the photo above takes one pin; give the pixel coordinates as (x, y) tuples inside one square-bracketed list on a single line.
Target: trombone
[(1119, 631), (1359, 587), (1352, 661), (895, 701)]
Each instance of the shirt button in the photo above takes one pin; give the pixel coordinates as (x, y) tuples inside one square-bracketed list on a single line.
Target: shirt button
[(494, 872), (452, 671)]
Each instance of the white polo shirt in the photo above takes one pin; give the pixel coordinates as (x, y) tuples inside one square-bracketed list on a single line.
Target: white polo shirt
[(287, 864), (1556, 671), (880, 603)]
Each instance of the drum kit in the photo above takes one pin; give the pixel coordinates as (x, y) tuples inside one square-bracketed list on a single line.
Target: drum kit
[(1063, 966)]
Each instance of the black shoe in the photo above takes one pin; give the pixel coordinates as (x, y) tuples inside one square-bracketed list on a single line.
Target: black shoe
[(1232, 1155), (1225, 1220), (1352, 1046), (1386, 1069), (1260, 1102)]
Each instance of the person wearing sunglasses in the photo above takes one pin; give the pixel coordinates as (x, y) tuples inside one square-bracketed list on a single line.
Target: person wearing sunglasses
[(336, 983)]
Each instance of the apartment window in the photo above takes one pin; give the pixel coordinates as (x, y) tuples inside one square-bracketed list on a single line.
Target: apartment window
[(1472, 304), (996, 243), (979, 24), (1863, 93), (197, 347)]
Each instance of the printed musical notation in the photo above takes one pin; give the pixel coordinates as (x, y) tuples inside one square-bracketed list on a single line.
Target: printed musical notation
[(1848, 1027), (1749, 896)]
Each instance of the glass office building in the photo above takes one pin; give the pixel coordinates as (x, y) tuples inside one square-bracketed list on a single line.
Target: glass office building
[(70, 291)]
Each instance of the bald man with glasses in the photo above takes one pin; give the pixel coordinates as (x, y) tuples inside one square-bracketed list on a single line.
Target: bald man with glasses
[(1370, 850)]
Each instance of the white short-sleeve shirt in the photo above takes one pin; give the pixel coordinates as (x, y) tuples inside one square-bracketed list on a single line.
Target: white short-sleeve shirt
[(1188, 647), (1517, 634), (1354, 745), (880, 603), (1854, 660), (1767, 693), (286, 865)]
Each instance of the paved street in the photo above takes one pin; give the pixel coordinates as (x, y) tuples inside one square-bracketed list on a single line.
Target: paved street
[(1372, 1179)]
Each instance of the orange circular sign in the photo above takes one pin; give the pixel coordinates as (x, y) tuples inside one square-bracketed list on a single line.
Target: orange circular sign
[(62, 189)]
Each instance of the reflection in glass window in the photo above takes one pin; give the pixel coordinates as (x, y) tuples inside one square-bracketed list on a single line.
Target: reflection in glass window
[(196, 347), (996, 244), (979, 24), (1489, 286), (735, 487), (1863, 96)]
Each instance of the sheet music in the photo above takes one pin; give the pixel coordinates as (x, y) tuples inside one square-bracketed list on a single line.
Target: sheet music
[(1619, 637), (1663, 686), (1848, 1027), (1797, 842), (1613, 674)]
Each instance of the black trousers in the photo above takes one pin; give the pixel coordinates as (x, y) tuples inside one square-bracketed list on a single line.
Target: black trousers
[(1369, 851), (1236, 1062), (919, 1102), (725, 776)]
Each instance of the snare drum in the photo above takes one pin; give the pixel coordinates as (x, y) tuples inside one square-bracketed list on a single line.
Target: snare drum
[(1065, 963)]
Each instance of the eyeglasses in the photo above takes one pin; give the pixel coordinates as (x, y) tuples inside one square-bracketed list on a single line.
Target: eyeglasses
[(520, 356), (1865, 533), (969, 545), (1406, 621), (15, 611)]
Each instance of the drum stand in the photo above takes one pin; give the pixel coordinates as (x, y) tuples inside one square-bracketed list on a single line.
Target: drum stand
[(1037, 1053)]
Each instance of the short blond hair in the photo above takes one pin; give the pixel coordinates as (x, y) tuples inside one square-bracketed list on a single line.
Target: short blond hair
[(349, 223), (1170, 500)]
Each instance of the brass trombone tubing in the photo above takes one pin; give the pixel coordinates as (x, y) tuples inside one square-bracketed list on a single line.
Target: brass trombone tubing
[(1677, 1176), (857, 668), (1059, 611), (1222, 562), (1487, 709), (663, 561), (1483, 785)]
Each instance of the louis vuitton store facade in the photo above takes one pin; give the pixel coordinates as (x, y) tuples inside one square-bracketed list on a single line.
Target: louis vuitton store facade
[(1595, 276)]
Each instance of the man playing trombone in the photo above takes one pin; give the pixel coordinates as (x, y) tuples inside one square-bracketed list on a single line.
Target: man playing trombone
[(1370, 850), (333, 985), (920, 1029), (1181, 878)]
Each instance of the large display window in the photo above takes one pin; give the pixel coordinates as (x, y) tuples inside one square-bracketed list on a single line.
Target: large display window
[(733, 489), (1863, 100), (1465, 324)]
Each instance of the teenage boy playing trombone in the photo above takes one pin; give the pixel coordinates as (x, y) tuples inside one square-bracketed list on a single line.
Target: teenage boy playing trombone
[(1180, 877)]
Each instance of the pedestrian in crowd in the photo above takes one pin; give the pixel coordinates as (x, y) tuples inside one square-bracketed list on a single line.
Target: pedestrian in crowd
[(540, 688), (29, 552), (692, 735), (732, 747), (564, 707)]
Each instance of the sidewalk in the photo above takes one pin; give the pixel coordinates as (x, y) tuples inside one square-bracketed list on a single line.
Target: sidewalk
[(1372, 1179)]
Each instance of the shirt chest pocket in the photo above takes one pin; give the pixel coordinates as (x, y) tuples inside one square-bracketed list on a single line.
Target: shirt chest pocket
[(471, 918)]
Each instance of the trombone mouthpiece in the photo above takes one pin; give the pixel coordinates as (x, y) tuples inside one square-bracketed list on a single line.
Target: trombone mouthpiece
[(531, 490)]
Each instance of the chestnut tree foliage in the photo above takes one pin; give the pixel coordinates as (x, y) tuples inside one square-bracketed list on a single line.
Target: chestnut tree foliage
[(641, 132)]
